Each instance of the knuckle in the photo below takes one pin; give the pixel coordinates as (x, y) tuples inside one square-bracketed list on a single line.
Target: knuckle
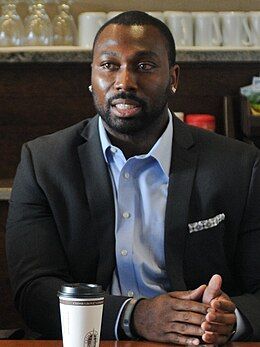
[(167, 317), (175, 339), (173, 326), (183, 327), (173, 303), (187, 305), (186, 316)]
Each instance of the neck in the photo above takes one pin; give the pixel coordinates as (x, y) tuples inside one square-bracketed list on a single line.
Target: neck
[(141, 142)]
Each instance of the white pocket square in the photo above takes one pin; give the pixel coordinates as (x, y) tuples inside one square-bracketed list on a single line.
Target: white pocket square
[(206, 223)]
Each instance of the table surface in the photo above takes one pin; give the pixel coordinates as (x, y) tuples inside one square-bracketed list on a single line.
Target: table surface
[(40, 343)]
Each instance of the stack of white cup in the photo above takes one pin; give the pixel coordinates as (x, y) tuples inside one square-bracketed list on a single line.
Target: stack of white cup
[(207, 29), (204, 29)]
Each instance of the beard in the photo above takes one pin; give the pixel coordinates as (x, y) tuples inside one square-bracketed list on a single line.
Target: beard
[(144, 119)]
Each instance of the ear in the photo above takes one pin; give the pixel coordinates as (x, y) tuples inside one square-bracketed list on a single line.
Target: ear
[(174, 74)]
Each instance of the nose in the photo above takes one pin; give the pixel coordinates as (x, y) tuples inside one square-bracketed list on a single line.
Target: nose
[(125, 80)]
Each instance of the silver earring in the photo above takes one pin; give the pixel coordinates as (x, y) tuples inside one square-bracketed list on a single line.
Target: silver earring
[(90, 88), (173, 89)]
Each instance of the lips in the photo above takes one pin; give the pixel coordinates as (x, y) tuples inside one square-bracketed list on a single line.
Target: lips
[(125, 107)]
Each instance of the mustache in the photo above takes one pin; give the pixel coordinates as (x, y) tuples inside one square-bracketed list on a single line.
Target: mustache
[(128, 96)]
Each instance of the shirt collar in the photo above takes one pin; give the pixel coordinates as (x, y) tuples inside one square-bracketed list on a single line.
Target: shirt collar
[(161, 150)]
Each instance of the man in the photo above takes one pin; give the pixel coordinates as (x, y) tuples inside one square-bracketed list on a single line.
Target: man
[(141, 203)]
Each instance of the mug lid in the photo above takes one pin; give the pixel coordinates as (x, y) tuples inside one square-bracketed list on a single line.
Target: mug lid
[(81, 290)]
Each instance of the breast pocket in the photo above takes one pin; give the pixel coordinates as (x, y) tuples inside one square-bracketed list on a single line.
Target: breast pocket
[(206, 223), (204, 250)]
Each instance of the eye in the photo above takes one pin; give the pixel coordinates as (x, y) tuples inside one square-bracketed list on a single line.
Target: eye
[(146, 66), (109, 66)]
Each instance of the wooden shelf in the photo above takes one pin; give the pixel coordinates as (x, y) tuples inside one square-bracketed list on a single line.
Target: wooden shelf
[(77, 54)]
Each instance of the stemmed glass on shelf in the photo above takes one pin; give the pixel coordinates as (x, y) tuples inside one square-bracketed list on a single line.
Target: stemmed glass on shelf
[(64, 27), (11, 26), (38, 27)]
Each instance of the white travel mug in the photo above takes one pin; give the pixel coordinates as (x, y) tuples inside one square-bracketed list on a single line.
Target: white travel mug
[(81, 307)]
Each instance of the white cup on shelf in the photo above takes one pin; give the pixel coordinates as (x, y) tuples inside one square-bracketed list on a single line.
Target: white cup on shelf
[(88, 25), (235, 29), (254, 22), (113, 14), (207, 29), (181, 26), (157, 14)]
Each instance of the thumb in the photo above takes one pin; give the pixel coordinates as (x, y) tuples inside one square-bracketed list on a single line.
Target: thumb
[(213, 289), (195, 294)]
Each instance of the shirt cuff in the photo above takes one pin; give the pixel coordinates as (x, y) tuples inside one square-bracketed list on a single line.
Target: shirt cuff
[(118, 318), (240, 327)]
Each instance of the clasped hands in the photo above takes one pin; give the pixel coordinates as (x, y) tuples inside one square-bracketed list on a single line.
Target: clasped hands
[(202, 315)]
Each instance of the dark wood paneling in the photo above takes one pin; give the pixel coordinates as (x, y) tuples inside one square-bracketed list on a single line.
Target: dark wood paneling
[(9, 317), (37, 99), (202, 87)]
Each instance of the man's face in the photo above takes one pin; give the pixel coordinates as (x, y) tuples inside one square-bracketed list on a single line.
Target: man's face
[(131, 77)]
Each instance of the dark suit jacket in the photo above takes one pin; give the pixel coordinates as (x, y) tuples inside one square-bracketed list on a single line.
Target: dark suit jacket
[(61, 221)]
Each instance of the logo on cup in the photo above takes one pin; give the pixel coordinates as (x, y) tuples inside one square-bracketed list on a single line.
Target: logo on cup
[(91, 339)]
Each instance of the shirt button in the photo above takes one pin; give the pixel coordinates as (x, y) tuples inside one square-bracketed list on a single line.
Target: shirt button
[(126, 215), (113, 149), (126, 175), (130, 293), (124, 252)]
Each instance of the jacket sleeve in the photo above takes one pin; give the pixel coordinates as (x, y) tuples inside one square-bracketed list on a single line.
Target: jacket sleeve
[(38, 264), (248, 257)]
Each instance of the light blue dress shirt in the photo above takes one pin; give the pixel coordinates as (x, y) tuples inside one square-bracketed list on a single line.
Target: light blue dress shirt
[(140, 187)]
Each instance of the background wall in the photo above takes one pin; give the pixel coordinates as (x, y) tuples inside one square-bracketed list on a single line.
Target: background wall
[(162, 5), (152, 5)]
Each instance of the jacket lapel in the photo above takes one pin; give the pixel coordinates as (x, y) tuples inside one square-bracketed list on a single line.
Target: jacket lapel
[(100, 198), (182, 173)]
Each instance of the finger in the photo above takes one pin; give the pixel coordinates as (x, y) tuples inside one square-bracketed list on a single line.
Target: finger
[(194, 294), (185, 329), (187, 305), (181, 339), (190, 317), (197, 293), (220, 317), (213, 289), (222, 304), (222, 329), (214, 338)]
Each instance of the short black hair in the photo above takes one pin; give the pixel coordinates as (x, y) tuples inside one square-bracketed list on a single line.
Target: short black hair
[(142, 18)]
